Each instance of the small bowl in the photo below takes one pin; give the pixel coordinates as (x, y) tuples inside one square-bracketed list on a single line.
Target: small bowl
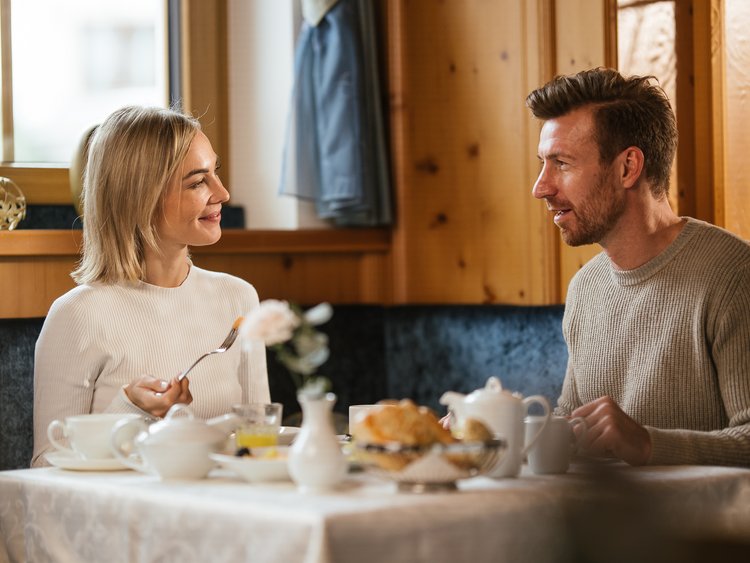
[(421, 469), (258, 468)]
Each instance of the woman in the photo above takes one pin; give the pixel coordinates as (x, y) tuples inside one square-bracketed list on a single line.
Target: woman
[(142, 312)]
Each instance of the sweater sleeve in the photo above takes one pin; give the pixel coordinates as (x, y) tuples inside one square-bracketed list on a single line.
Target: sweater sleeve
[(731, 356), (64, 371), (67, 362)]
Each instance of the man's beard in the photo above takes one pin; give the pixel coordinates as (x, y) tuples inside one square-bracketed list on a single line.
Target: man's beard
[(596, 215)]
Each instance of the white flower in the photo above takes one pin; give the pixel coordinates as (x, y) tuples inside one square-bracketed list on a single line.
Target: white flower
[(272, 322), (319, 314)]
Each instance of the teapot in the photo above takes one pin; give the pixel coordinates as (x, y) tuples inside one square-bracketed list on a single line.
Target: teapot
[(503, 412), (177, 447)]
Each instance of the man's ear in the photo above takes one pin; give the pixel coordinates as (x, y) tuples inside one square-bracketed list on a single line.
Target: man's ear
[(631, 162)]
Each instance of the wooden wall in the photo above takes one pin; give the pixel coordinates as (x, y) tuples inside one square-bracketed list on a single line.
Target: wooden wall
[(302, 266), (464, 161), (468, 229)]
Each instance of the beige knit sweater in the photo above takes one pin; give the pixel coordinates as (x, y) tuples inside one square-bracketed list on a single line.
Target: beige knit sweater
[(97, 338), (670, 343)]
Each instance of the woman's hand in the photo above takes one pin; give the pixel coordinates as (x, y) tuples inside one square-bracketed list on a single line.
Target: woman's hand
[(156, 396)]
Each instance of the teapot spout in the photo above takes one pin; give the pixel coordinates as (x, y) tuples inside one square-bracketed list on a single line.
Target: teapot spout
[(452, 399)]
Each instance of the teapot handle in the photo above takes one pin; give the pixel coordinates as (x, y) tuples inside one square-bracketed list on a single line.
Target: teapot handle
[(177, 408), (528, 401), (123, 443)]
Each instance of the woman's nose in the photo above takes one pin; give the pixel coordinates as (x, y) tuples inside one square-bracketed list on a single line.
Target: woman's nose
[(220, 193)]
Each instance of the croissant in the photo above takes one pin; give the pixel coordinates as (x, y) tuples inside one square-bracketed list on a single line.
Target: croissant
[(403, 422)]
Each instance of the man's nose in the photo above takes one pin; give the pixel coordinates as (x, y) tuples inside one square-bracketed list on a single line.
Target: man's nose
[(543, 187)]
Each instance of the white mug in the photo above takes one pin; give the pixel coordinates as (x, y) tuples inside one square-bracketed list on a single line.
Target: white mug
[(87, 434), (508, 423), (557, 442)]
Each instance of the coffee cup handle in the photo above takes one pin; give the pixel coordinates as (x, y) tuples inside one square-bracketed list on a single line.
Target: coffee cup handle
[(123, 444), (51, 436), (528, 401), (577, 438)]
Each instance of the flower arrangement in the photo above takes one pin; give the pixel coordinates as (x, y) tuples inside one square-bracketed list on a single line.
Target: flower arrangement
[(291, 334)]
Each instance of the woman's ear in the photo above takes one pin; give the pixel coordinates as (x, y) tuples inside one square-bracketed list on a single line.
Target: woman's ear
[(632, 161)]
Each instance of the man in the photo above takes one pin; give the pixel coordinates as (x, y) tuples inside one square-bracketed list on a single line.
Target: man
[(658, 324)]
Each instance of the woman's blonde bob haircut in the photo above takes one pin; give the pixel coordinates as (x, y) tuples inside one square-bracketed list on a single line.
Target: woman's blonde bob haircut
[(132, 158)]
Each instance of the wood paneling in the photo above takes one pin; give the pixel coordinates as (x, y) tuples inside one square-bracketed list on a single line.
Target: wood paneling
[(735, 202), (303, 266), (468, 230), (41, 185), (708, 78), (582, 43), (29, 284), (204, 68)]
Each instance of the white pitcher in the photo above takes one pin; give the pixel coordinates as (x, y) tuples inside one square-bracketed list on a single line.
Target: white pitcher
[(503, 412), (316, 461)]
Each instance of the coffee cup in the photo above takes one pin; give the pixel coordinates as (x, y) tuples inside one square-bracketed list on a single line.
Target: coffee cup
[(557, 442), (87, 434)]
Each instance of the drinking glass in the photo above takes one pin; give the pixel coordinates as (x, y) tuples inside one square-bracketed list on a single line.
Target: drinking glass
[(259, 426)]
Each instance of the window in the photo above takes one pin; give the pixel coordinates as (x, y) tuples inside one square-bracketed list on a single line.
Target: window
[(66, 66)]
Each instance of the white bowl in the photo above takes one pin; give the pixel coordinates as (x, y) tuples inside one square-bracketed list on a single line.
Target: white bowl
[(257, 469)]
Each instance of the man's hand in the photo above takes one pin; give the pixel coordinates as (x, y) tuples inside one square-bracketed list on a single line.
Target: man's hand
[(612, 433), (156, 396)]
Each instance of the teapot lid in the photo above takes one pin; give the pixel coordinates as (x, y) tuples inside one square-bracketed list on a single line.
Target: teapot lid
[(183, 429), (492, 392)]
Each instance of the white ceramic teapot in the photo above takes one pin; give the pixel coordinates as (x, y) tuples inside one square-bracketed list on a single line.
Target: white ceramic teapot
[(177, 447), (503, 412)]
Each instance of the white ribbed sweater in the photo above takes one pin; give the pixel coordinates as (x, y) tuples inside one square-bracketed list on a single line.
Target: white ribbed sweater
[(97, 338), (670, 343)]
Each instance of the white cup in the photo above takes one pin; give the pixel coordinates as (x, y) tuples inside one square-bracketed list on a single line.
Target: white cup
[(554, 446), (87, 434), (357, 413)]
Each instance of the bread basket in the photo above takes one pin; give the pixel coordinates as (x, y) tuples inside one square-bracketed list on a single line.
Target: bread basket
[(431, 468)]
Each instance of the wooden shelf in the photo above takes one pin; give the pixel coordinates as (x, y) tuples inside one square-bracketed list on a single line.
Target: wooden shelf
[(233, 241), (339, 266)]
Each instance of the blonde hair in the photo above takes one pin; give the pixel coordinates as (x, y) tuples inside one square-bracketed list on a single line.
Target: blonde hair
[(132, 158)]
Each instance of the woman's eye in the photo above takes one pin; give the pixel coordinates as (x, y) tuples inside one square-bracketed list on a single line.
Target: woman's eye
[(197, 184)]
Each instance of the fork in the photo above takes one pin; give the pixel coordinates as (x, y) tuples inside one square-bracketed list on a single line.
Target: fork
[(223, 347)]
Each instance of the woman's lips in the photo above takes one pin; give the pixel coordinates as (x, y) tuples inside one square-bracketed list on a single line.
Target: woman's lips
[(213, 217)]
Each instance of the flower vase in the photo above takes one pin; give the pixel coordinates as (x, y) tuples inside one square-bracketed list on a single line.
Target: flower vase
[(316, 461)]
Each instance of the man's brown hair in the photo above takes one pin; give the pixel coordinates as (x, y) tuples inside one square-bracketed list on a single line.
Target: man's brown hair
[(632, 111)]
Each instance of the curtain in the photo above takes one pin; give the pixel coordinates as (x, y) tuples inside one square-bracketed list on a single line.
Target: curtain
[(335, 152)]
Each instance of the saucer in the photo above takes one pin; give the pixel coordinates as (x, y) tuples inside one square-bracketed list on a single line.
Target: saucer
[(256, 469), (64, 460)]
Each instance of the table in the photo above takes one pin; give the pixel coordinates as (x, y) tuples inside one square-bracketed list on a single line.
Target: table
[(52, 514)]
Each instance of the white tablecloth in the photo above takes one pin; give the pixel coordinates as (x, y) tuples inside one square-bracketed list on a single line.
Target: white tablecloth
[(55, 515)]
